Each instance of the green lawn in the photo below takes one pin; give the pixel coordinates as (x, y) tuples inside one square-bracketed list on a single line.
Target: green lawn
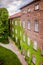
[(7, 57)]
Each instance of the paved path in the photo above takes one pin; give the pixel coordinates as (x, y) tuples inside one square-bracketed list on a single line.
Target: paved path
[(14, 48)]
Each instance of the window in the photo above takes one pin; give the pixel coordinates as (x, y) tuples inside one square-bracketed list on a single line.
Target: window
[(34, 60), (37, 7), (15, 22), (28, 53), (23, 24), (36, 26), (29, 25), (29, 10), (35, 45), (28, 41)]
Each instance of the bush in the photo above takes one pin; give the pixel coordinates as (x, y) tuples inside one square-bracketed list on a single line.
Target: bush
[(4, 32)]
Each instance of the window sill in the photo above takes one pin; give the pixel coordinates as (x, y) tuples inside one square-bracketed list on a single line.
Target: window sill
[(36, 31), (36, 10)]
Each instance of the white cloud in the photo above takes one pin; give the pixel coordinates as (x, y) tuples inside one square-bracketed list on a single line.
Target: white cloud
[(12, 8), (13, 5)]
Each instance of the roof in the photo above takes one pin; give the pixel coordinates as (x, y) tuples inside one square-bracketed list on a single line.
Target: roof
[(29, 3), (15, 15)]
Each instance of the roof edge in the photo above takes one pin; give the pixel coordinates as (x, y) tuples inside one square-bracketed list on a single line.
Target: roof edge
[(29, 3)]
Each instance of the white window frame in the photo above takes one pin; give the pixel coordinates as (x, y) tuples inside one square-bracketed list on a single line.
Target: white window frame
[(34, 60), (36, 26), (29, 25), (28, 41), (36, 7), (35, 44)]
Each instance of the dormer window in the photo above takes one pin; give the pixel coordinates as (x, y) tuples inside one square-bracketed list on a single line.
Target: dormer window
[(37, 7)]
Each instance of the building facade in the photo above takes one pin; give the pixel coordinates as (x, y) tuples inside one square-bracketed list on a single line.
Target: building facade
[(32, 22), (27, 28)]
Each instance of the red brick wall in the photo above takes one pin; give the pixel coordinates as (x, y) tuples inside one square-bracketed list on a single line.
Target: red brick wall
[(32, 16)]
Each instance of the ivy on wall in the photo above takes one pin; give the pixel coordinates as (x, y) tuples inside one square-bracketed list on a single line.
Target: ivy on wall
[(17, 34)]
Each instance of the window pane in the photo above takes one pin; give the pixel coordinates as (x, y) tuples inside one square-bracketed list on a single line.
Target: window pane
[(36, 7), (35, 45), (36, 26), (34, 60), (28, 41), (28, 25)]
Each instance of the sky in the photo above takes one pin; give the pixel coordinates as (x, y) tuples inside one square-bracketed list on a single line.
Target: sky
[(13, 6)]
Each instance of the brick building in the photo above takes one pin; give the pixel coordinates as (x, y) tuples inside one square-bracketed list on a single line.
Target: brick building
[(32, 21)]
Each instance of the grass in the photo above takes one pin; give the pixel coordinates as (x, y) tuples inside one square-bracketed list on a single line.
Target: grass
[(7, 57), (5, 41)]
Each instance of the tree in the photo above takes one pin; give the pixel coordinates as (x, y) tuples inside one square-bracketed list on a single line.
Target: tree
[(4, 22)]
